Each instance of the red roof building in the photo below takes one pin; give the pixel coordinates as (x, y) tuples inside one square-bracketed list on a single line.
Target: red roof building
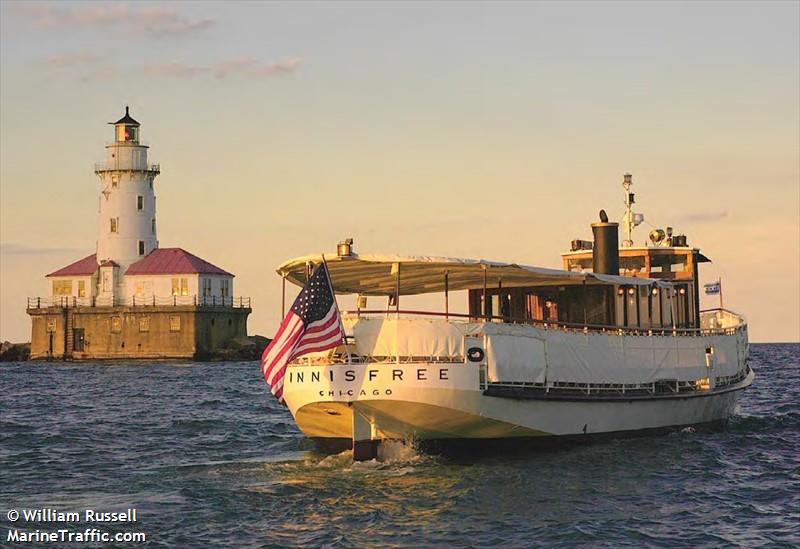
[(83, 267), (173, 261)]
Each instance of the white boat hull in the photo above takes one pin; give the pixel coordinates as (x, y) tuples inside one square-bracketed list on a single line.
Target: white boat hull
[(439, 401)]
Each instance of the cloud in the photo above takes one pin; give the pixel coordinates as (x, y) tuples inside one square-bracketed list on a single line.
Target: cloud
[(22, 249), (173, 69), (152, 21), (88, 66), (251, 67), (281, 67), (704, 217), (236, 66), (72, 58), (164, 22)]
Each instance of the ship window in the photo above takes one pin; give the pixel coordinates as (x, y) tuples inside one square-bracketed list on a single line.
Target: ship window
[(116, 324), (580, 264), (141, 247), (62, 287), (139, 202), (174, 323), (632, 265), (144, 324)]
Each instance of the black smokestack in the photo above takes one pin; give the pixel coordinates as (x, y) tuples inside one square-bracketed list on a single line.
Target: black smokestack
[(605, 253)]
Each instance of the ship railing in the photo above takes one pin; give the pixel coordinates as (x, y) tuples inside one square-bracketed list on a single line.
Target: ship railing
[(704, 330), (660, 387), (68, 302)]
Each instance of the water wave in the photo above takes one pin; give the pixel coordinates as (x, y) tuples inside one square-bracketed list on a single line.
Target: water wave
[(210, 459)]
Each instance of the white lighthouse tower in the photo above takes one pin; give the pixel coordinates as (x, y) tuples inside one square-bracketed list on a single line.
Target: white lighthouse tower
[(126, 229)]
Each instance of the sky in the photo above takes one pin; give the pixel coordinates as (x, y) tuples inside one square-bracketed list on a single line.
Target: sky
[(484, 130)]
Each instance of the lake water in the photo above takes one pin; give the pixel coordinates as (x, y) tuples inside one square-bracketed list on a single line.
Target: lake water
[(209, 459)]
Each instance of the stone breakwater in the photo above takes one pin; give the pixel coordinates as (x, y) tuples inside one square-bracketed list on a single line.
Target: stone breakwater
[(14, 352)]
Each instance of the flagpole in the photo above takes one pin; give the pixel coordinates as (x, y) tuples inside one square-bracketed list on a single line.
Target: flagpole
[(719, 281), (339, 311), (283, 296)]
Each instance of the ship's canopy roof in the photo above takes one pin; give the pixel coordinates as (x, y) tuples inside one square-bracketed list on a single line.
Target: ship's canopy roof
[(371, 274)]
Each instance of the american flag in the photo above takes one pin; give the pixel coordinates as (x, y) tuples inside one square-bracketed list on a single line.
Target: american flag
[(312, 324), (713, 288)]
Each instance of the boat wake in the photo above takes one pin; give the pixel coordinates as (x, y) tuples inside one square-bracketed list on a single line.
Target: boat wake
[(391, 454)]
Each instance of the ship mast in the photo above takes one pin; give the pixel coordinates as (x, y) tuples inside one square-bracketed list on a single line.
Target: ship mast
[(630, 219)]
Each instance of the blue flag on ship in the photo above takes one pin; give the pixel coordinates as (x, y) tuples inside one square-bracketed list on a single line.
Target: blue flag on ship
[(712, 288)]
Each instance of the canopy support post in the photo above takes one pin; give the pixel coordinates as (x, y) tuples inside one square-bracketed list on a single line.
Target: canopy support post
[(446, 296), (397, 292), (500, 298), (485, 304)]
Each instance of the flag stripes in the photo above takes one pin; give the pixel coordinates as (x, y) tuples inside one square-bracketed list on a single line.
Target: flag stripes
[(312, 325)]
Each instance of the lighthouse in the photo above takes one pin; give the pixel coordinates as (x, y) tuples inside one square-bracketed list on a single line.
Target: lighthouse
[(126, 230), (132, 298)]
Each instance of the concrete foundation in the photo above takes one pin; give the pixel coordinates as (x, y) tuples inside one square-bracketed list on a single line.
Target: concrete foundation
[(101, 333)]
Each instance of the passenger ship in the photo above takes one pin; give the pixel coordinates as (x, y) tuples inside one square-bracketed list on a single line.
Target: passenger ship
[(614, 343)]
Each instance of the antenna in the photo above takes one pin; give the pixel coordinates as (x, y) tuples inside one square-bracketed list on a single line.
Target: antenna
[(631, 219), (626, 184)]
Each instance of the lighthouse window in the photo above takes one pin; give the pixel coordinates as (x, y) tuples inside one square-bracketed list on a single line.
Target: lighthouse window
[(62, 287), (207, 287), (141, 247), (226, 288), (114, 181), (180, 286), (114, 224), (81, 288), (140, 203), (153, 225)]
